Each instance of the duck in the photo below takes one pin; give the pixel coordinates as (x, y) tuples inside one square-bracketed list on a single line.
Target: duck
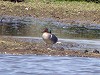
[(48, 37)]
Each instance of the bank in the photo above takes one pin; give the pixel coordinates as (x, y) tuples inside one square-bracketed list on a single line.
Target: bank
[(67, 12)]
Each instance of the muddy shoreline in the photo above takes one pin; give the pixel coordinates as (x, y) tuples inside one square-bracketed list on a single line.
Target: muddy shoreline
[(20, 46), (9, 45)]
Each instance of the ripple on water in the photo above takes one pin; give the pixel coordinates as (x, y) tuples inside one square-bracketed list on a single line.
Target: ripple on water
[(48, 65)]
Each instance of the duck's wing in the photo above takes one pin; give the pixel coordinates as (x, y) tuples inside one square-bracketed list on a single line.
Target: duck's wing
[(53, 38)]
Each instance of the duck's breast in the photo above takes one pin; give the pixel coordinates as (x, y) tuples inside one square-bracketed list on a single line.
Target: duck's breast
[(46, 36)]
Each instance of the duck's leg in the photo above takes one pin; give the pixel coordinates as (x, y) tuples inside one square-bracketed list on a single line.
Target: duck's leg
[(47, 46), (50, 47)]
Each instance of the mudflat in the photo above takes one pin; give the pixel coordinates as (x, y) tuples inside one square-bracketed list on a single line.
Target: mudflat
[(18, 46), (67, 13)]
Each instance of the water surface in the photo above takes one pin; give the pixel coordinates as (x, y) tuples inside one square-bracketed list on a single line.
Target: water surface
[(48, 65)]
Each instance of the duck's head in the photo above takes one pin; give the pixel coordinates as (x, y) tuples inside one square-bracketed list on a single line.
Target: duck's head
[(47, 30)]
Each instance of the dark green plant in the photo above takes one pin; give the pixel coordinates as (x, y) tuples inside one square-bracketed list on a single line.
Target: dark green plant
[(96, 1)]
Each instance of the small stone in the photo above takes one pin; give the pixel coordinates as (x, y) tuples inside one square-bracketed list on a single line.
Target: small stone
[(59, 42), (86, 51), (49, 49), (3, 8), (5, 52), (95, 51), (60, 48), (26, 8)]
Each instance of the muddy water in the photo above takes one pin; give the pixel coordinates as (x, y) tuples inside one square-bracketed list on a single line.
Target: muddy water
[(71, 36)]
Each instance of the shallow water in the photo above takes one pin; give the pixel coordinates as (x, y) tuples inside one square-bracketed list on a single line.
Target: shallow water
[(76, 38), (48, 65), (30, 26)]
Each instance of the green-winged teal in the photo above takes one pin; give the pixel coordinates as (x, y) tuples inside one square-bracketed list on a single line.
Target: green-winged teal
[(48, 37)]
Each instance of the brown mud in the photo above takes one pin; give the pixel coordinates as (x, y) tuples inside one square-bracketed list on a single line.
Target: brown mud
[(18, 46), (9, 45)]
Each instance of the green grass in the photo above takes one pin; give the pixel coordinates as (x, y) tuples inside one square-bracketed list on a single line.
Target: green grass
[(74, 5)]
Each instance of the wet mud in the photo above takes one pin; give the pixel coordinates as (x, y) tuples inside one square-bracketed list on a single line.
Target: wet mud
[(34, 46), (88, 22)]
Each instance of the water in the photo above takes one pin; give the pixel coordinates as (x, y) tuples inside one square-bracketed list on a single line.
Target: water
[(30, 26), (80, 36), (48, 65)]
